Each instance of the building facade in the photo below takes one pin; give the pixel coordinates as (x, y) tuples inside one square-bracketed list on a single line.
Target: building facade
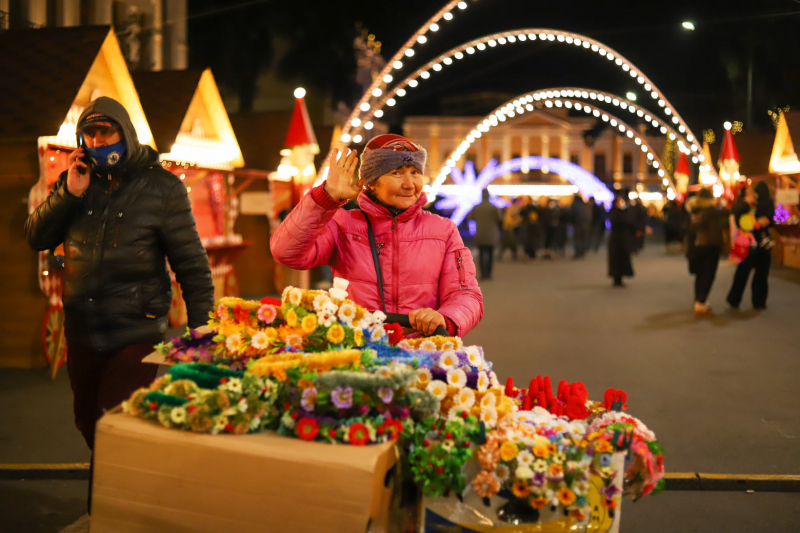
[(614, 158)]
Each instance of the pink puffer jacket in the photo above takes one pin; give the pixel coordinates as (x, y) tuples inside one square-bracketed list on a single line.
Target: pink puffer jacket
[(423, 259)]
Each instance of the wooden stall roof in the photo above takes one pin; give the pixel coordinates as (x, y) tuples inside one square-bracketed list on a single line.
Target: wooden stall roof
[(41, 73)]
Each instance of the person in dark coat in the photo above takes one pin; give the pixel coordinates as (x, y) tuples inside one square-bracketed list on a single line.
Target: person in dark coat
[(530, 227), (704, 246), (547, 230), (487, 220), (581, 213), (120, 216), (620, 241), (639, 213), (599, 217), (760, 204)]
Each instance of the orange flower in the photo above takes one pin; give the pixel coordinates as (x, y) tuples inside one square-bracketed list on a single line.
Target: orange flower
[(537, 502), (578, 515), (603, 446), (556, 470), (303, 384), (508, 451), (611, 503), (566, 496), (542, 451), (520, 489), (279, 374), (486, 484), (488, 455)]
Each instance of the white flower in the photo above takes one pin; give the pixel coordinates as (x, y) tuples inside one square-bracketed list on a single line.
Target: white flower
[(330, 308), (448, 360), (287, 420), (242, 405), (296, 296), (178, 415), (234, 343), (319, 300), (347, 312), (459, 343), (448, 345), (502, 472), (488, 400), (378, 317), (447, 445), (456, 378), (438, 388), (219, 424), (340, 283), (337, 294), (523, 472), (489, 416), (474, 356), (428, 345), (495, 381), (525, 458), (465, 398), (483, 382), (234, 385), (325, 319), (259, 341), (255, 423), (424, 375), (376, 333), (403, 345)]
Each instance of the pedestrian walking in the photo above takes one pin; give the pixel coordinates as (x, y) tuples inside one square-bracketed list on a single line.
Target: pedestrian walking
[(398, 257), (581, 225), (639, 214), (511, 221), (531, 237), (599, 218), (620, 241), (546, 227), (561, 219), (704, 246), (753, 213), (488, 219)]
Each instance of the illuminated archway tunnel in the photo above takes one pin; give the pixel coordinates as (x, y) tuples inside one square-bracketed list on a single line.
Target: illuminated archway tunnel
[(467, 190)]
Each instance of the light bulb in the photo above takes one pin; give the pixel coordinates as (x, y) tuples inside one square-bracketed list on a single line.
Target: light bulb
[(368, 125), (376, 92), (422, 39), (345, 137), (356, 122), (364, 106), (727, 125), (357, 139), (447, 16), (434, 27), (410, 52), (401, 92), (379, 113), (299, 92), (388, 78), (462, 5), (397, 65)]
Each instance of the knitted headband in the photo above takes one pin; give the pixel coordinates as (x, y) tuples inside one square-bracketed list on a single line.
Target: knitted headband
[(378, 161)]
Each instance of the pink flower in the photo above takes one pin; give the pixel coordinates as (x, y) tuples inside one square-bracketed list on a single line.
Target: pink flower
[(222, 311), (267, 313)]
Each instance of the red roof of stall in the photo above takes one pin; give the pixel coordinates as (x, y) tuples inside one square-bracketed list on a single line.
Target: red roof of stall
[(729, 150), (300, 130), (683, 165)]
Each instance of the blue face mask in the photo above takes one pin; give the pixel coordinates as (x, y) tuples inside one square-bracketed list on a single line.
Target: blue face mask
[(109, 155)]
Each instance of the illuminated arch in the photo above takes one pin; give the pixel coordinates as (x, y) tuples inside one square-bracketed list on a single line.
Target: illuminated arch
[(499, 115), (468, 188), (363, 109)]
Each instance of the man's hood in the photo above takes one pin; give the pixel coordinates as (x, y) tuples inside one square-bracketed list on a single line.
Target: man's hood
[(136, 155)]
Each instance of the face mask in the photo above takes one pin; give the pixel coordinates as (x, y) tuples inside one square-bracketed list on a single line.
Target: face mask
[(109, 155)]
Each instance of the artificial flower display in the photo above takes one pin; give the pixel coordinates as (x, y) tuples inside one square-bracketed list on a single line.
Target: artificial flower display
[(432, 344), (207, 399), (277, 365)]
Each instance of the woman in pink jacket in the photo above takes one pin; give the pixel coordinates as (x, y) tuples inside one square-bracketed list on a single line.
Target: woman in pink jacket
[(427, 271)]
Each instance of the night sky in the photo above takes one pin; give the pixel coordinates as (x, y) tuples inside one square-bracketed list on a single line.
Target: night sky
[(702, 72)]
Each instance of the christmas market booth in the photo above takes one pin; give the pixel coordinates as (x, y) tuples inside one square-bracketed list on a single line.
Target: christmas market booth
[(784, 167), (313, 402), (49, 76), (198, 144)]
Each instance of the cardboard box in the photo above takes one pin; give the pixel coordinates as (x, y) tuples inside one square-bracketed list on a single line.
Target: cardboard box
[(151, 479)]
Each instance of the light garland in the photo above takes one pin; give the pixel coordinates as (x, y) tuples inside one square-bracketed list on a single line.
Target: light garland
[(501, 113)]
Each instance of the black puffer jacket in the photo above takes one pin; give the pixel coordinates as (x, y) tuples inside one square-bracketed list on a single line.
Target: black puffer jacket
[(117, 238)]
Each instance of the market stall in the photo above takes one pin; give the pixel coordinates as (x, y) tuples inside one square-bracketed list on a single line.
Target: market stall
[(785, 169), (428, 436)]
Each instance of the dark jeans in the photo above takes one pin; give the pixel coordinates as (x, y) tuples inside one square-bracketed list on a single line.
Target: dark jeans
[(760, 260), (705, 263), (582, 238), (485, 258), (100, 382)]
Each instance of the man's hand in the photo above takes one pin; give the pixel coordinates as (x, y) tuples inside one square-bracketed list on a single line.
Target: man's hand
[(339, 184), (426, 320), (78, 175), (763, 221)]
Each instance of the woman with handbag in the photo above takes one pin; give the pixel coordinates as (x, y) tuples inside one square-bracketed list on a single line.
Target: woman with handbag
[(397, 257)]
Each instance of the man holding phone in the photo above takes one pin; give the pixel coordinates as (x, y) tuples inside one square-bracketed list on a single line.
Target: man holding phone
[(120, 216)]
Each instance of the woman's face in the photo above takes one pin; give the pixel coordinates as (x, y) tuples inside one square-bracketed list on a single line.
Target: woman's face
[(750, 196), (399, 188)]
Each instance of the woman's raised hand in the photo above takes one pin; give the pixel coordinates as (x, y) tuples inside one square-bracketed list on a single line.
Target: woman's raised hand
[(339, 184)]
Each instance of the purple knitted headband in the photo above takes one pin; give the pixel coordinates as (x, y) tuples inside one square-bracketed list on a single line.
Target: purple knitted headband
[(376, 163)]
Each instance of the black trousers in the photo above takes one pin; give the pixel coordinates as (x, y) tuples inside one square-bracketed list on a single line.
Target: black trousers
[(705, 263), (759, 260), (582, 238), (485, 258)]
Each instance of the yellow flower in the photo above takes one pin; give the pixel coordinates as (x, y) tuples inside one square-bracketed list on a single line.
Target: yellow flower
[(541, 450), (279, 374), (308, 324), (603, 446), (335, 334), (358, 337), (566, 496), (291, 318), (272, 333), (508, 451)]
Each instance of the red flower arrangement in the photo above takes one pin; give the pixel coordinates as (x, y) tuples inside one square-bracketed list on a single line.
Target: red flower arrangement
[(358, 434), (307, 428), (241, 315), (276, 302)]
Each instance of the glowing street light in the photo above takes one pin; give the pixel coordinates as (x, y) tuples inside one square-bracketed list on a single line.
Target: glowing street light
[(299, 92), (688, 26)]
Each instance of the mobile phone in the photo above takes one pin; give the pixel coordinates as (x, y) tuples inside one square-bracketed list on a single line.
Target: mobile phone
[(84, 159)]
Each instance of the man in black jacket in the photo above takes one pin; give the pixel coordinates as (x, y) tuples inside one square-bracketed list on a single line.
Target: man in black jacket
[(120, 216)]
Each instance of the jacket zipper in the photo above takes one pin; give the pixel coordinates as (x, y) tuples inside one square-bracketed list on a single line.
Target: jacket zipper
[(395, 273), (461, 275)]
